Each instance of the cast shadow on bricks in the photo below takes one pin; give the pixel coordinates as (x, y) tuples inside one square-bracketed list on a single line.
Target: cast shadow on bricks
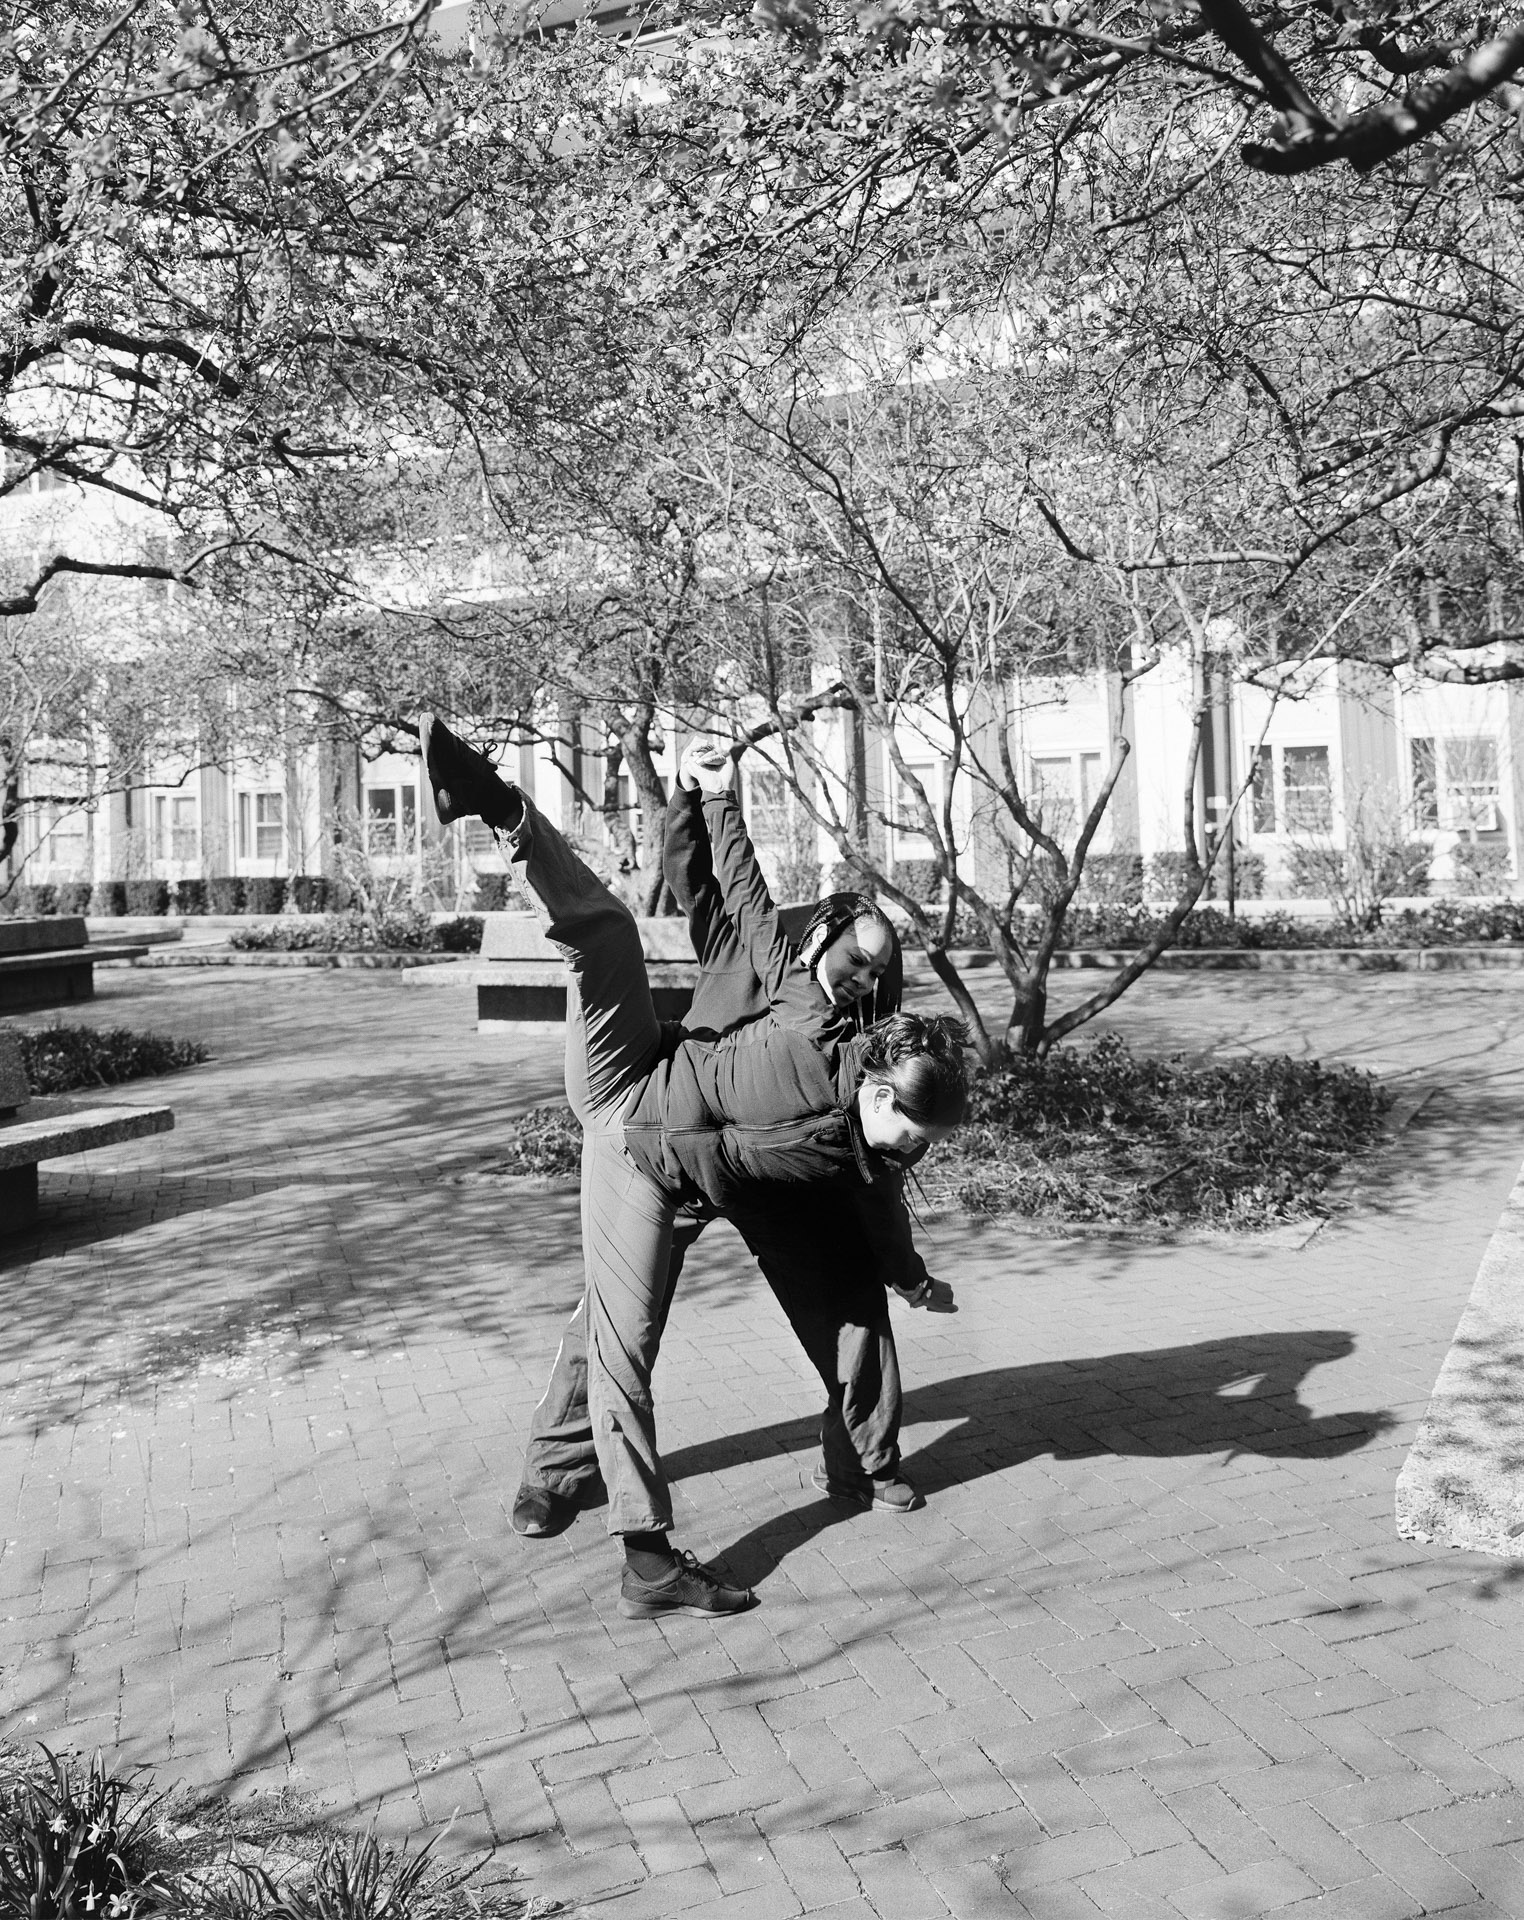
[(1231, 1396)]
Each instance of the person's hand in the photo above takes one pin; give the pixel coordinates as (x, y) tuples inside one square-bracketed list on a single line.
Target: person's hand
[(705, 765), (936, 1296)]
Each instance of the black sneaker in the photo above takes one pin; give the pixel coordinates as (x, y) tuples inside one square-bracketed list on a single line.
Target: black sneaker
[(688, 1588), (539, 1513), (894, 1494), (462, 780)]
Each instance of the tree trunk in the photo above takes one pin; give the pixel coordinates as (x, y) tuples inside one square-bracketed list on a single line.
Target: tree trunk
[(987, 1048), (1029, 1014), (10, 802)]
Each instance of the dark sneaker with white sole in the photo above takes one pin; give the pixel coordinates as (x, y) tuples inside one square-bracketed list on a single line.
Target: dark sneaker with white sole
[(894, 1495), (689, 1588), (538, 1513)]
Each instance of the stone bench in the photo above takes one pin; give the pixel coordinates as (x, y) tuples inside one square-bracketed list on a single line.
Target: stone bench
[(49, 963), (520, 979), (26, 1141)]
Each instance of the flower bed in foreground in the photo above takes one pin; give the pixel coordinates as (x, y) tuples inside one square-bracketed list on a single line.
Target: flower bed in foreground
[(78, 1839), (1097, 1134)]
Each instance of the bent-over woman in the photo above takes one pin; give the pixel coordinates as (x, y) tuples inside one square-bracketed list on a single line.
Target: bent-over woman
[(666, 1121), (844, 972)]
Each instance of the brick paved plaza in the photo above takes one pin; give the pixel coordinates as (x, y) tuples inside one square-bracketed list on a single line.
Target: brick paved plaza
[(1152, 1649)]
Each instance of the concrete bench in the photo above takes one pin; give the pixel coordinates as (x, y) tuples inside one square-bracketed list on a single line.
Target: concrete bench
[(49, 963), (26, 1141), (521, 980)]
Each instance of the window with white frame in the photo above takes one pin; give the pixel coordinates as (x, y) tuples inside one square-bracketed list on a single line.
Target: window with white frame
[(911, 841), (61, 836), (1291, 790), (1062, 789), (175, 827), (391, 819), (1456, 782), (767, 813), (261, 825)]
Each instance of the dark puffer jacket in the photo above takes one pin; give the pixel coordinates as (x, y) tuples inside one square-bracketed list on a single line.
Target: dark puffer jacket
[(793, 1074)]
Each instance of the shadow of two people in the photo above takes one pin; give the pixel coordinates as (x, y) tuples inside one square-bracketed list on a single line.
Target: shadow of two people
[(1240, 1395)]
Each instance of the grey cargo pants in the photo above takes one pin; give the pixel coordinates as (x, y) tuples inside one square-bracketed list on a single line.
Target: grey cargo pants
[(613, 1040)]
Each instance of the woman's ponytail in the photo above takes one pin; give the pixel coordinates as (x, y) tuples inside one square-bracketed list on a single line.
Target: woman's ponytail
[(920, 1057)]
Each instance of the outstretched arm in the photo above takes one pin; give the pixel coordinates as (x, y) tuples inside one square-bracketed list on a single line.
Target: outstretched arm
[(727, 993), (748, 904), (886, 1227)]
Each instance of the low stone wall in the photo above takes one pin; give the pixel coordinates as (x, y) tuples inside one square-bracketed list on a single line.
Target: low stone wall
[(1463, 1482)]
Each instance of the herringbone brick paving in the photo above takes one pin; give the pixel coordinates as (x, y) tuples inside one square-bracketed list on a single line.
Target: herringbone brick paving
[(1152, 1648)]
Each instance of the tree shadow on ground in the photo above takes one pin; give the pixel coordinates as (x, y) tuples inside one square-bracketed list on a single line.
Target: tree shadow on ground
[(1233, 1396)]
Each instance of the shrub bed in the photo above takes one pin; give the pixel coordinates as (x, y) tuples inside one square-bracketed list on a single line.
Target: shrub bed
[(148, 896), (352, 933), (1097, 1134), (62, 1059), (1447, 923)]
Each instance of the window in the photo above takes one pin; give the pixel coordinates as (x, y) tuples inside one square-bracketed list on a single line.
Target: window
[(261, 825), (174, 827), (1423, 766), (766, 806), (391, 819), (1291, 790), (1457, 783), (1063, 790), (910, 841), (1308, 787), (61, 836), (1262, 791)]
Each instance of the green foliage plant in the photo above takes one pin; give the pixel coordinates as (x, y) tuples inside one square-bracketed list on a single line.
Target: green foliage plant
[(546, 1142), (353, 1878), (148, 896), (1113, 879), (401, 931), (1479, 867), (264, 893), (78, 1845), (1098, 1134), (65, 1059)]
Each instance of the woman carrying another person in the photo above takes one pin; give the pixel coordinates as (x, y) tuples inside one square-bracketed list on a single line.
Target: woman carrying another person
[(808, 1240), (665, 1120)]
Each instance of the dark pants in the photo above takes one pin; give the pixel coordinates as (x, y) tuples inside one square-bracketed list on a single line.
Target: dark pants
[(839, 1312), (805, 1239), (613, 1040)]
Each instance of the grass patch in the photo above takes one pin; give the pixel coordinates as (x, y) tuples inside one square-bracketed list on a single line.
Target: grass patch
[(62, 1059), (1097, 1134), (78, 1840)]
